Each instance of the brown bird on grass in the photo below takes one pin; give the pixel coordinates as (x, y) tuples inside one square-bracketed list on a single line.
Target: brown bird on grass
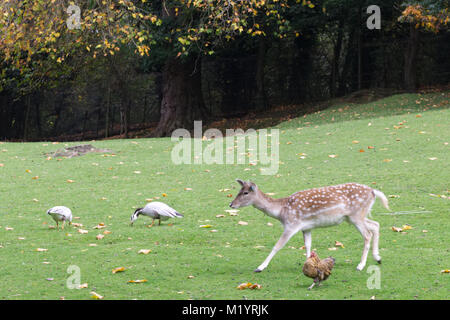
[(318, 269)]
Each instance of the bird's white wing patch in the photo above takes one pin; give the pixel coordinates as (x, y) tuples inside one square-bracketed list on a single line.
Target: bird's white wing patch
[(163, 209)]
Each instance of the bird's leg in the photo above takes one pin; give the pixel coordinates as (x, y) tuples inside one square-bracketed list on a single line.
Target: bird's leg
[(57, 225), (153, 221), (159, 223), (64, 222), (311, 286)]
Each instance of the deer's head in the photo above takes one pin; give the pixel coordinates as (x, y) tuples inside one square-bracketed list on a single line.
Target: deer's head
[(246, 195)]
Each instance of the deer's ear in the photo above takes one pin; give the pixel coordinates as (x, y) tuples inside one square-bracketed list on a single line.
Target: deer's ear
[(240, 182), (253, 187)]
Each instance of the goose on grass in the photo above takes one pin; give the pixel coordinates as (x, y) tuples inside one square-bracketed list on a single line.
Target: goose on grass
[(60, 213), (156, 211)]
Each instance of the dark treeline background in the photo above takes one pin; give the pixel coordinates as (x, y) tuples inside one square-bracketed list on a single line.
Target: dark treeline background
[(333, 55)]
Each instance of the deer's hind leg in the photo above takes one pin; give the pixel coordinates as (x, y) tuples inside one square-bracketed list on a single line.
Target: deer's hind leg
[(374, 228)]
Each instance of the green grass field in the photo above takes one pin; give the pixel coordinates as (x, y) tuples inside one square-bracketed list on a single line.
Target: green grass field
[(409, 162)]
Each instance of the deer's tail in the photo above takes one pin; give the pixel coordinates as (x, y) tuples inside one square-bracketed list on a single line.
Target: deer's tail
[(382, 197)]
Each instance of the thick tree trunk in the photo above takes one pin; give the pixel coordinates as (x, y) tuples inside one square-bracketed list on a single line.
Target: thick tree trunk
[(182, 98), (410, 59)]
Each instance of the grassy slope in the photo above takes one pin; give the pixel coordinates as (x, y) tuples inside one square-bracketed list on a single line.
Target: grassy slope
[(219, 261)]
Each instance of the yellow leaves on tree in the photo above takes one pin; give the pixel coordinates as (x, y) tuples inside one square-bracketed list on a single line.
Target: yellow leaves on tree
[(424, 18)]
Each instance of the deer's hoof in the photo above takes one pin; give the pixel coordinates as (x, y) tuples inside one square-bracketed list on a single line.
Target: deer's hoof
[(360, 267)]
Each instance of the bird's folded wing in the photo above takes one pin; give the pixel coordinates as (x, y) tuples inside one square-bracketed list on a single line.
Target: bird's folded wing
[(60, 210), (164, 210)]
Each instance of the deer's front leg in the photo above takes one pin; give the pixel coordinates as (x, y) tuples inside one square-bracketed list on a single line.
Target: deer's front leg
[(287, 234), (307, 240)]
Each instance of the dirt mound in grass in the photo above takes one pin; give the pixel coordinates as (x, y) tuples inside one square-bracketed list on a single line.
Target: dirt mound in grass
[(77, 151)]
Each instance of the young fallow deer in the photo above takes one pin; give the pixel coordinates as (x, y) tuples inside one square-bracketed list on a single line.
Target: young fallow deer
[(315, 208)]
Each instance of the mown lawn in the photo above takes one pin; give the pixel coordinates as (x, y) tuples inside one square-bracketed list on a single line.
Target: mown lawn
[(408, 160)]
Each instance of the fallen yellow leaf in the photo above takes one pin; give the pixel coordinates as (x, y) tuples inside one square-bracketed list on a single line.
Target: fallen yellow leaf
[(41, 250), (445, 271), (406, 227), (70, 181), (119, 269), (396, 229), (95, 295), (137, 281), (248, 285), (205, 226)]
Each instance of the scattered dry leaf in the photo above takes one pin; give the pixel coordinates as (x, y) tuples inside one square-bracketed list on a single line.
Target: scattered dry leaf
[(248, 285), (107, 232), (82, 231), (445, 271), (243, 223), (119, 269), (338, 244), (332, 249), (41, 250), (332, 155), (95, 295), (144, 251), (220, 216), (70, 181), (205, 226), (406, 227), (396, 229), (83, 286), (137, 281), (99, 237)]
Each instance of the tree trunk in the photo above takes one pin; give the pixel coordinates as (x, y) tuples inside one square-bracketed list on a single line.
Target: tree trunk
[(336, 60), (260, 98), (108, 108), (27, 118), (182, 98), (410, 59)]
